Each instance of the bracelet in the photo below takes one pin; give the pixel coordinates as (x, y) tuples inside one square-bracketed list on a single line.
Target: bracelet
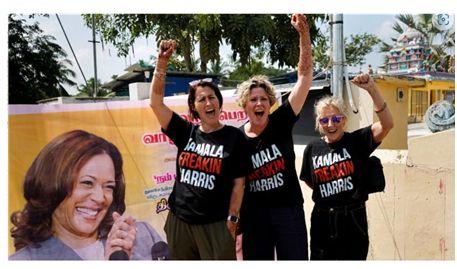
[(382, 108), (160, 75)]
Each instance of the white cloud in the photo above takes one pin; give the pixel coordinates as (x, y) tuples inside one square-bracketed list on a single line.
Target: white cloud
[(50, 27), (144, 51), (385, 31)]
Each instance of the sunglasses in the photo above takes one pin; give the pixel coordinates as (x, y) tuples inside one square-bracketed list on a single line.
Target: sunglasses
[(336, 119), (195, 82)]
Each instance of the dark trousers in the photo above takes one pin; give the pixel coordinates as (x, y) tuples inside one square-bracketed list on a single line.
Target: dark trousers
[(211, 241), (339, 233), (282, 228)]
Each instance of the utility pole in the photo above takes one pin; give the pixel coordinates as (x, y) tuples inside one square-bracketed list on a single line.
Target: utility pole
[(339, 61), (95, 56), (337, 42)]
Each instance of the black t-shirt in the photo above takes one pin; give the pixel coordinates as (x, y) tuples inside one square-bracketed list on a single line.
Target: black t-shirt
[(334, 169), (206, 165), (274, 179)]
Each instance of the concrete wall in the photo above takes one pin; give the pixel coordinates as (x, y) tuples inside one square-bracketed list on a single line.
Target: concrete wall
[(79, 100), (414, 219), (139, 91)]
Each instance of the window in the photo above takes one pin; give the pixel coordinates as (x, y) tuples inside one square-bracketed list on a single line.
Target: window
[(450, 96), (419, 104)]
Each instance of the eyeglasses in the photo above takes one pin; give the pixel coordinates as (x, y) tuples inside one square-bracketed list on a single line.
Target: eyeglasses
[(195, 82), (336, 119)]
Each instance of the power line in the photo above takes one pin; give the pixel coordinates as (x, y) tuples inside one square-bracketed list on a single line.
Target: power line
[(71, 48)]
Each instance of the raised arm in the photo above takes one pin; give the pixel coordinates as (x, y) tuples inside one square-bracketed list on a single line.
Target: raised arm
[(163, 113), (381, 128), (305, 64)]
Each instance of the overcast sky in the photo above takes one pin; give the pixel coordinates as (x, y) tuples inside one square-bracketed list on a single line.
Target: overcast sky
[(108, 63)]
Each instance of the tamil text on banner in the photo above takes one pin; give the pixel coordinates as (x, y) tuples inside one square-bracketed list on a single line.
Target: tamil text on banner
[(149, 155)]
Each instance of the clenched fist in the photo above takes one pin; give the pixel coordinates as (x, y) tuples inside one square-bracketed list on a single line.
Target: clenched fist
[(166, 49), (299, 22), (364, 81)]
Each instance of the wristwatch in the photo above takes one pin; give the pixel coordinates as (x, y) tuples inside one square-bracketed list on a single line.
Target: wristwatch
[(233, 219)]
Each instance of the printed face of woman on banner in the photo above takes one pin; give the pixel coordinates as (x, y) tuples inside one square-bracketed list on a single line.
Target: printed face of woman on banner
[(84, 209)]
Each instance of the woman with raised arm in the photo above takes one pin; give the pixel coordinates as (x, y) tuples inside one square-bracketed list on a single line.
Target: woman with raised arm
[(332, 167), (211, 167), (273, 217)]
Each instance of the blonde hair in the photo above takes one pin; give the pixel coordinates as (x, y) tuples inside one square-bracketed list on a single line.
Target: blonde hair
[(256, 81), (329, 101)]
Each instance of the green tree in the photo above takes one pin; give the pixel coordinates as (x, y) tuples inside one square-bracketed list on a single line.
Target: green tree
[(271, 33), (175, 63), (356, 48), (37, 67), (321, 54), (123, 29), (88, 90), (210, 39), (220, 68), (256, 66), (243, 32), (283, 42)]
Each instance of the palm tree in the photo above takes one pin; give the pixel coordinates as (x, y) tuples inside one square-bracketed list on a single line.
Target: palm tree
[(87, 90), (423, 24), (38, 67), (220, 68), (175, 64)]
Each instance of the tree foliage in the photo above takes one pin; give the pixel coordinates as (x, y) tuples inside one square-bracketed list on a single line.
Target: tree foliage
[(356, 48), (243, 32), (37, 67), (220, 68), (283, 41), (122, 30), (85, 91), (321, 54), (256, 66)]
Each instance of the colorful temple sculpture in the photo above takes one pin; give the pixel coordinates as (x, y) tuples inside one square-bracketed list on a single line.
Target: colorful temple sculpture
[(411, 56)]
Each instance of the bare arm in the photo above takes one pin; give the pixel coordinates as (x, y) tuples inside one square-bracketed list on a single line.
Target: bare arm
[(305, 64), (162, 112), (235, 202), (381, 128)]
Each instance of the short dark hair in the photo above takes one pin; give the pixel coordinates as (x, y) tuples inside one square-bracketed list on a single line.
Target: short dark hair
[(191, 97), (51, 179)]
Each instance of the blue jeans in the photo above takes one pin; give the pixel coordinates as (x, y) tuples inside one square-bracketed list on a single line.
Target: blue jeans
[(282, 228), (339, 233)]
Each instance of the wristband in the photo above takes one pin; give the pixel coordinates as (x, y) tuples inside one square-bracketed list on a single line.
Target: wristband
[(160, 75), (233, 219), (382, 108)]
